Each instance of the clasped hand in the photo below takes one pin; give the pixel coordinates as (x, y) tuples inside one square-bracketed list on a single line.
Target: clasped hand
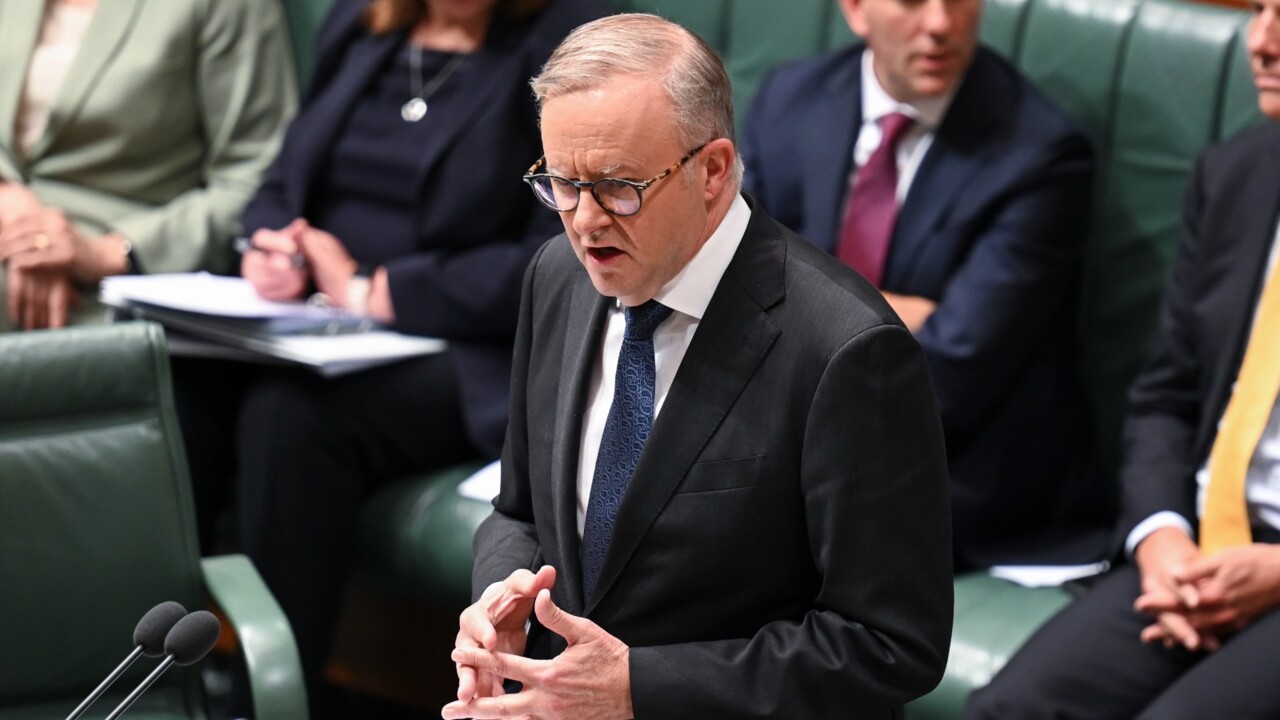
[(44, 256), (272, 272), (590, 680), (1197, 600)]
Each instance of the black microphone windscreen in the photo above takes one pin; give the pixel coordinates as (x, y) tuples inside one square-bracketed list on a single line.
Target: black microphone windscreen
[(155, 626), (192, 637)]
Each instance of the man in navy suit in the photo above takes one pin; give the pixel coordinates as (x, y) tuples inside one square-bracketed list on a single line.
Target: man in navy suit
[(1191, 627), (991, 191)]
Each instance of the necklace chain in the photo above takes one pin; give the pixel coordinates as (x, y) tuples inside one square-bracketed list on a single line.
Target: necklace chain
[(416, 108)]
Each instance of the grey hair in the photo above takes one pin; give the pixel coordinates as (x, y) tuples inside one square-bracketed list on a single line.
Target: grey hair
[(644, 45)]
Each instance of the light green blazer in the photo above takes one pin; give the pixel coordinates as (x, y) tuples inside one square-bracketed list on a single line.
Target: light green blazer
[(168, 116)]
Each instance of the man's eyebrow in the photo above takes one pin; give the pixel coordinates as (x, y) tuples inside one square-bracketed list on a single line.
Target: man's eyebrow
[(604, 172)]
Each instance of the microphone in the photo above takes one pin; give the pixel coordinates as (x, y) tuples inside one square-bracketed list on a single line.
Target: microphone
[(148, 638), (191, 639)]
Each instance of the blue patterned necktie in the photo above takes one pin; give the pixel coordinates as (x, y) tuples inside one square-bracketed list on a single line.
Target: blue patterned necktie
[(625, 432)]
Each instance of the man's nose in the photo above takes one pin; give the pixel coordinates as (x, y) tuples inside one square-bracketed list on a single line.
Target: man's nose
[(1264, 34), (589, 217), (937, 17)]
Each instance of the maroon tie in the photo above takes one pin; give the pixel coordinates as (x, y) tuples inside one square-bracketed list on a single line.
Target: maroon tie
[(868, 219)]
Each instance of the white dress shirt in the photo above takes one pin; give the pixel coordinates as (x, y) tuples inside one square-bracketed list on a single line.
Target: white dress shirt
[(687, 294), (915, 142), (1261, 483)]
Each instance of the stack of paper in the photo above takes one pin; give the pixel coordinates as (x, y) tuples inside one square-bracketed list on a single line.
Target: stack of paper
[(227, 313)]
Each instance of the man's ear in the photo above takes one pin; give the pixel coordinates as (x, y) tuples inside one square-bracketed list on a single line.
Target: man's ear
[(852, 11), (718, 157)]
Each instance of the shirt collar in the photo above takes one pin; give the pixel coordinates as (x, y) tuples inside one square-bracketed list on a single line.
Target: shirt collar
[(690, 291), (876, 103)]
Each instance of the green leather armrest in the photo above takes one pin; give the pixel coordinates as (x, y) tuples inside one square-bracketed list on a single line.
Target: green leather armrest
[(993, 618), (275, 673)]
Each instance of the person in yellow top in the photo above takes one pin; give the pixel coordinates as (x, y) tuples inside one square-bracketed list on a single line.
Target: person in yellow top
[(132, 133)]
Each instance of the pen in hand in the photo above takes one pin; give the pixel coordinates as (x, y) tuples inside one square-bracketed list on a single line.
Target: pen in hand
[(244, 245)]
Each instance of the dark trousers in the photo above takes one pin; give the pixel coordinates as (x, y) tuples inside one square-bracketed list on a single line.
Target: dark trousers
[(304, 452), (1087, 662)]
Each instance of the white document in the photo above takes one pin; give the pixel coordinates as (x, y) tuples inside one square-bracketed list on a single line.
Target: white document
[(484, 483), (204, 309), (202, 293), (1046, 575)]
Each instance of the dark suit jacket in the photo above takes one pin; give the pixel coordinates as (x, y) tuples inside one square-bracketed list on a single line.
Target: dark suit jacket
[(478, 223), (992, 230), (1228, 227), (783, 548)]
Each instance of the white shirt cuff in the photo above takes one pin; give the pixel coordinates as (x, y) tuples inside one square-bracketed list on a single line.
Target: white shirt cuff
[(1163, 519)]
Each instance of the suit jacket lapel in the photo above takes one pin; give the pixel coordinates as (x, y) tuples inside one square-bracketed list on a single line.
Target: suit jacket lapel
[(837, 120), (487, 73), (944, 173), (104, 40), (18, 34), (586, 319), (732, 339), (1252, 237)]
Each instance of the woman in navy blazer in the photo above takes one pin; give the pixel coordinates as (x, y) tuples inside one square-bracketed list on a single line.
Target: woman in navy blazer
[(400, 183)]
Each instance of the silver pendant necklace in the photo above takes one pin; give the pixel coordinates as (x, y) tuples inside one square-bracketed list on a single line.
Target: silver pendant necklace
[(416, 108)]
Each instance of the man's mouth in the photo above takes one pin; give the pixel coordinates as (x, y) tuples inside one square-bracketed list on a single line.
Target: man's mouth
[(603, 253)]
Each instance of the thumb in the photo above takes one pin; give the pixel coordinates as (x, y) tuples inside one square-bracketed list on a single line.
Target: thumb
[(570, 627), (1197, 569)]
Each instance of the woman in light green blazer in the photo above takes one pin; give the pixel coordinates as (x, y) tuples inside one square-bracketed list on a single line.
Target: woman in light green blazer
[(156, 138)]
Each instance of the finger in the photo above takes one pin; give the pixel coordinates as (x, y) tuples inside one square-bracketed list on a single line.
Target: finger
[(33, 303), (472, 682), (1157, 601), (504, 665), (1198, 569), (13, 296), (504, 706), (475, 622), (1155, 633), (1189, 594), (58, 305), (570, 627), (1214, 620), (25, 314), (519, 588), (275, 242), (21, 228), (1180, 630), (466, 673), (296, 228)]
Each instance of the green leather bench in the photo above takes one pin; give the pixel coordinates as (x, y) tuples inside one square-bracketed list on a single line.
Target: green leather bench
[(1152, 82)]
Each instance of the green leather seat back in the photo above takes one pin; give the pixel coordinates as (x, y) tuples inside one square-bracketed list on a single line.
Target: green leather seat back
[(304, 18), (752, 36), (96, 515), (1001, 27), (1148, 82)]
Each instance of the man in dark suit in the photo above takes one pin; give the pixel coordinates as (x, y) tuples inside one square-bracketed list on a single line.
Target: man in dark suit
[(990, 184), (776, 541), (1201, 488)]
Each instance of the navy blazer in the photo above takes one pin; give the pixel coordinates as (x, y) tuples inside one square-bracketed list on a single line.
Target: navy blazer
[(1228, 229), (478, 224), (992, 229)]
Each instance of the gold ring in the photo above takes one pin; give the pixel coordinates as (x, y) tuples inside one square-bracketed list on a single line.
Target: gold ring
[(42, 241)]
